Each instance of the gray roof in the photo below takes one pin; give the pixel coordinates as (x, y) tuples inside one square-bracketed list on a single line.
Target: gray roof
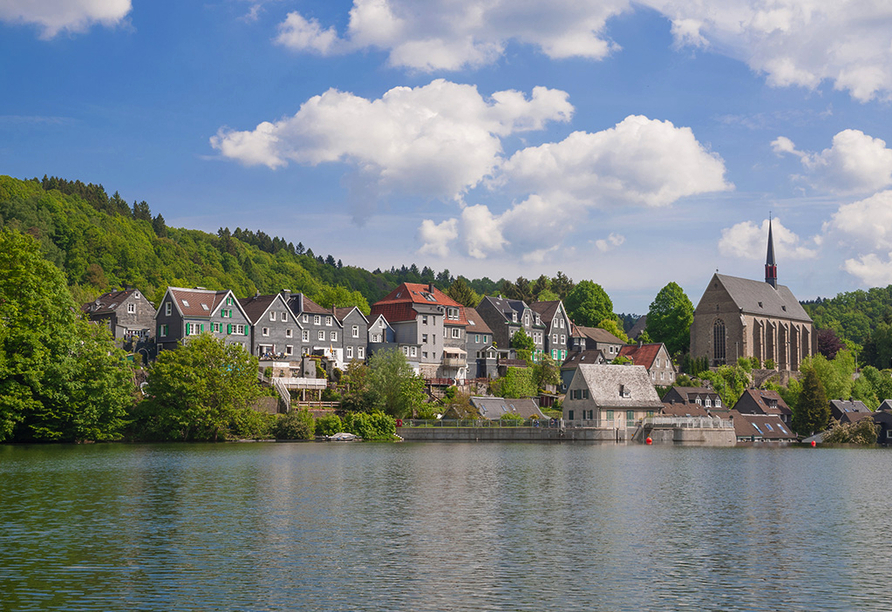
[(604, 383), (506, 306), (599, 335), (760, 298), (494, 407)]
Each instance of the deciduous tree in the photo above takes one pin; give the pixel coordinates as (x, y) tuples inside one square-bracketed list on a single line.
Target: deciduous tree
[(588, 304), (811, 413), (669, 319)]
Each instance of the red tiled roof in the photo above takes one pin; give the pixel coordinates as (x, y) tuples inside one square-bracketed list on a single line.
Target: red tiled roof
[(643, 355), (408, 294), (197, 302), (107, 302), (476, 324), (545, 310)]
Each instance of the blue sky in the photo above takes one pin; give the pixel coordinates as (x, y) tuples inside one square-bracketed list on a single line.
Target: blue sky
[(632, 144)]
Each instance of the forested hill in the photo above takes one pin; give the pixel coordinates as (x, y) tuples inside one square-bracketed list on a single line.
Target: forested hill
[(101, 242), (861, 317)]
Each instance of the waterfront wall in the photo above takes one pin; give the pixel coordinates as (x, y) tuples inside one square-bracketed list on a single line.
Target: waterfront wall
[(505, 434)]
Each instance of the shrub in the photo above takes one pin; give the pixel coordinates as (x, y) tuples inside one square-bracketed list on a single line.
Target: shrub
[(296, 425), (329, 425), (512, 417), (374, 426), (862, 432), (248, 423)]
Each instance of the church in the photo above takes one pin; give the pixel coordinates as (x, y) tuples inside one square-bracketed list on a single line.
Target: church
[(738, 317)]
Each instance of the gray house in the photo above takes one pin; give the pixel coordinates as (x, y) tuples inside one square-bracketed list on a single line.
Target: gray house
[(557, 328), (127, 313), (321, 331), (356, 333), (613, 396), (275, 331), (184, 313), (595, 338), (482, 358), (504, 317)]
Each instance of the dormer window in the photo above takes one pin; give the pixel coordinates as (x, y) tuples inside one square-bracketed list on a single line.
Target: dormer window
[(624, 391), (514, 317)]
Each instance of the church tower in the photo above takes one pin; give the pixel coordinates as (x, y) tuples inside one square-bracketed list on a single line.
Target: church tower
[(770, 263)]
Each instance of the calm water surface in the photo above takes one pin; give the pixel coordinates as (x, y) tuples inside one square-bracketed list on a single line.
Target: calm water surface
[(443, 527)]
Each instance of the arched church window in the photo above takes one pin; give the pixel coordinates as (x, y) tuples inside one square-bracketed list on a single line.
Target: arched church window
[(718, 341)]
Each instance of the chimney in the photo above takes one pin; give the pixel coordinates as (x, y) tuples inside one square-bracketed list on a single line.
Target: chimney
[(430, 287), (286, 293)]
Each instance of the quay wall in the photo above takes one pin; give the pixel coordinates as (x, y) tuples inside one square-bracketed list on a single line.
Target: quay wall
[(505, 434)]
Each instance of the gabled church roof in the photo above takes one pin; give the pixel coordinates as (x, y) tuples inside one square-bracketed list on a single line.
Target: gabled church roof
[(760, 298)]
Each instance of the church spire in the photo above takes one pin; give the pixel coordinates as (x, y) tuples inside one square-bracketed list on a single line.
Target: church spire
[(770, 263)]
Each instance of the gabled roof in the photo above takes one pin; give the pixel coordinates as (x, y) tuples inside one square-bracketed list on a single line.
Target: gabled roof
[(108, 302), (494, 407), (476, 324), (546, 310), (643, 355), (690, 394), (505, 307), (341, 313), (681, 410), (577, 357), (255, 307), (768, 402), (759, 298), (199, 302), (300, 304), (619, 386), (761, 426), (399, 304), (640, 326), (844, 406), (598, 335)]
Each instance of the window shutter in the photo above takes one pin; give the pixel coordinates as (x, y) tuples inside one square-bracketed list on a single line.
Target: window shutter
[(201, 328), (229, 328), (246, 330)]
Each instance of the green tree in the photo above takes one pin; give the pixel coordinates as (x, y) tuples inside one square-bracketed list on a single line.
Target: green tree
[(546, 372), (517, 382), (562, 285), (811, 413), (729, 382), (524, 344), (835, 374), (588, 304), (863, 432), (669, 319), (196, 391), (341, 297), (401, 390), (610, 324), (296, 425), (61, 379), (462, 293)]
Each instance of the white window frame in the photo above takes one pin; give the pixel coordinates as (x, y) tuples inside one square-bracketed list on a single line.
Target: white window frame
[(131, 308), (289, 349), (333, 336), (360, 352), (305, 335), (349, 351), (289, 333), (456, 332), (306, 318), (167, 309), (272, 315), (328, 321), (413, 351), (321, 335), (355, 331), (317, 320), (165, 329), (265, 332)]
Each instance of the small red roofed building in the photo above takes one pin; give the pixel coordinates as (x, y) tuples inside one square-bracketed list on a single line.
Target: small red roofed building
[(655, 359), (429, 326)]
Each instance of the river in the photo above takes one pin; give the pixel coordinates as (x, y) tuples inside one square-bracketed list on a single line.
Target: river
[(450, 526)]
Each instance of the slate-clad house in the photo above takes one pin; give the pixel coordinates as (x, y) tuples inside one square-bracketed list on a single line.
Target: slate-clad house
[(127, 313), (321, 331), (616, 396), (557, 328), (596, 339), (356, 333), (699, 396), (184, 313), (482, 358), (275, 331), (504, 317), (764, 401), (655, 358), (848, 411), (429, 326), (568, 368)]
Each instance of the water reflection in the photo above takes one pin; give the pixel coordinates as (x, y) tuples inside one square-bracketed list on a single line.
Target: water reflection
[(442, 527)]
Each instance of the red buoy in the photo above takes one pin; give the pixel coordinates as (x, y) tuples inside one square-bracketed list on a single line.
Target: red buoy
[(649, 440), (813, 444)]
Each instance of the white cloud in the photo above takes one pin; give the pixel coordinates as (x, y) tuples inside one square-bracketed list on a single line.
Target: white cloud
[(449, 35), (866, 224), (303, 34), (612, 241), (872, 269), (482, 232), (750, 241), (640, 162), (855, 163), (437, 140), (795, 42), (435, 237), (54, 16)]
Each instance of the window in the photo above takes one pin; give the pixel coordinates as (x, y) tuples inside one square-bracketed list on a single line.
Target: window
[(625, 391), (305, 335), (164, 329), (321, 335), (272, 316), (317, 320), (185, 303), (609, 415), (376, 337), (662, 375), (284, 317), (424, 319), (514, 317), (526, 319), (554, 323), (485, 338), (562, 324), (570, 415), (355, 331), (413, 351), (305, 318), (229, 301), (456, 332), (131, 308), (289, 350), (349, 352), (718, 341), (563, 339), (554, 338), (718, 403), (360, 352), (167, 309), (328, 321), (707, 403), (452, 313), (288, 333), (241, 329), (424, 354), (334, 336), (424, 338), (476, 338), (406, 351), (265, 331)]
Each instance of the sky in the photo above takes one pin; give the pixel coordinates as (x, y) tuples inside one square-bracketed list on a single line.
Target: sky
[(629, 143)]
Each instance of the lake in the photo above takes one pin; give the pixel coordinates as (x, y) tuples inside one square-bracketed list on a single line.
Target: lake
[(448, 526)]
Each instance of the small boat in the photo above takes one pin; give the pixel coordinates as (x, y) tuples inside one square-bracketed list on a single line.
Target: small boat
[(343, 437)]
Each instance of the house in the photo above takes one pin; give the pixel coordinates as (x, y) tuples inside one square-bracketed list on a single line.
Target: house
[(557, 328), (127, 313), (761, 428), (700, 396), (615, 396), (429, 326), (355, 336), (848, 411), (275, 331), (321, 331), (883, 418), (482, 358), (382, 337), (568, 367), (492, 408), (655, 359), (505, 317), (738, 317), (764, 401), (184, 313), (595, 338), (640, 326)]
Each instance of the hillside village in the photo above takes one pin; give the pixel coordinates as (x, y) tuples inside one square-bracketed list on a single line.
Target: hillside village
[(604, 382)]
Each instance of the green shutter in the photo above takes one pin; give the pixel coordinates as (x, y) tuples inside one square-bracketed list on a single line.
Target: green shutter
[(229, 328), (201, 328), (246, 330)]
